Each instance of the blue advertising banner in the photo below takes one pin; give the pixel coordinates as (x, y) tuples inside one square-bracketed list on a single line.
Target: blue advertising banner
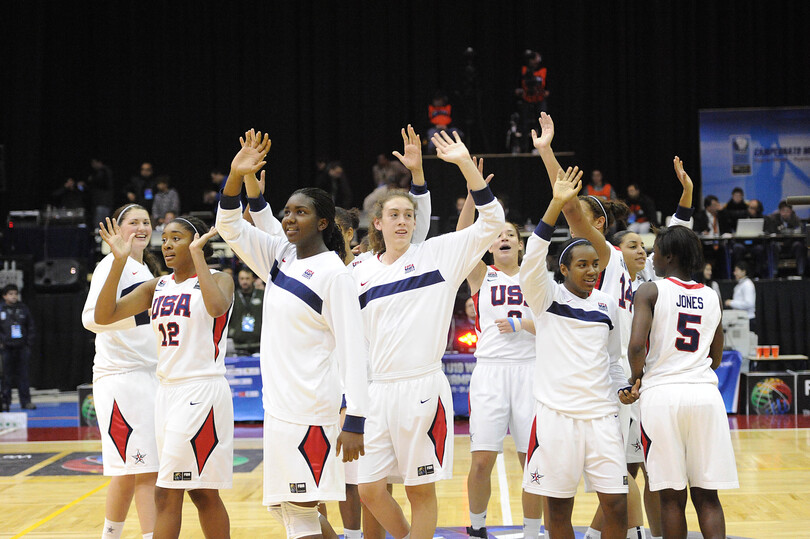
[(764, 151)]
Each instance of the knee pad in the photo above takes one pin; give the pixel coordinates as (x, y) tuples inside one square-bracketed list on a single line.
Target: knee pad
[(300, 521)]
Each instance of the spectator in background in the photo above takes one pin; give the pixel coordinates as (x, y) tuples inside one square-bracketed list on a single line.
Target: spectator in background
[(390, 171), (705, 278), (757, 250), (211, 194), (785, 221), (245, 327), (452, 220), (532, 95), (745, 294), (16, 337), (100, 187), (166, 200), (736, 208), (710, 220), (440, 115), (168, 217), (511, 215), (598, 188), (70, 196), (642, 211), (336, 184), (140, 189)]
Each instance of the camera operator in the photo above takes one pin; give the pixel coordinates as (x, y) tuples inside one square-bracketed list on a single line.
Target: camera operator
[(533, 95)]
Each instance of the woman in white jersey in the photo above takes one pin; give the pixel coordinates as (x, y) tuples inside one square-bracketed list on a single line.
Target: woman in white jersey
[(501, 384), (578, 380), (407, 294), (125, 384), (675, 344), (194, 407), (308, 355)]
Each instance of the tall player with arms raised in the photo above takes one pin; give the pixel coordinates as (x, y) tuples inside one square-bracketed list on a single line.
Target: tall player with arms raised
[(193, 408), (683, 419), (406, 296)]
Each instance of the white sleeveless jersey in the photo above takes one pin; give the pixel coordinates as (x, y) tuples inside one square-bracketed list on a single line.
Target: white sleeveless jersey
[(685, 318), (500, 297), (191, 343), (128, 344)]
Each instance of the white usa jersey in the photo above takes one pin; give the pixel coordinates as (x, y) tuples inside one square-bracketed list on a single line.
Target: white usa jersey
[(686, 316), (128, 344), (500, 297), (191, 342)]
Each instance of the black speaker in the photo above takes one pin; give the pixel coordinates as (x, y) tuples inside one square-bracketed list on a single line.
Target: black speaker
[(59, 275)]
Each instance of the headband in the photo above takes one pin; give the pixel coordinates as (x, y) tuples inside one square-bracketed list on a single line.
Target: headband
[(602, 208), (189, 222), (575, 242), (126, 209)]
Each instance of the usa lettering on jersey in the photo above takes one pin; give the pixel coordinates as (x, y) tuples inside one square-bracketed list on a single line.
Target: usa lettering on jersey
[(176, 305)]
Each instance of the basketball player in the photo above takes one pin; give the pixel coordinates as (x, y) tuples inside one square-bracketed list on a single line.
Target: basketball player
[(501, 384), (683, 419), (407, 294), (578, 380), (308, 354), (125, 384), (193, 409)]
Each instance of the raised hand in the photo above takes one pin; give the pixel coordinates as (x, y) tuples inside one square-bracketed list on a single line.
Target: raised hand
[(568, 184), (120, 247), (543, 142), (681, 174), (250, 159), (197, 244), (452, 151), (412, 159), (479, 164)]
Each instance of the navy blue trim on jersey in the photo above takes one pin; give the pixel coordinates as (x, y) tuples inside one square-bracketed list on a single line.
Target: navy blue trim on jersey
[(544, 230), (257, 204), (142, 318), (343, 402), (230, 203), (579, 314), (418, 189), (411, 283), (296, 288), (483, 196), (683, 213), (354, 423)]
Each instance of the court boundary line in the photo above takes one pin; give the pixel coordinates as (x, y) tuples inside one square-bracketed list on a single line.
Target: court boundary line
[(60, 510)]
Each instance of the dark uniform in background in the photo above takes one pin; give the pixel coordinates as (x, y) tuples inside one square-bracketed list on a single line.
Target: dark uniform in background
[(16, 336)]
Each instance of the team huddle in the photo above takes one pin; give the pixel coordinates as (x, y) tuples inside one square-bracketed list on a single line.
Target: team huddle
[(353, 391)]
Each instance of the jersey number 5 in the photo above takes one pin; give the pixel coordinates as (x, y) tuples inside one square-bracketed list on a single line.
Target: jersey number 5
[(169, 333), (691, 336)]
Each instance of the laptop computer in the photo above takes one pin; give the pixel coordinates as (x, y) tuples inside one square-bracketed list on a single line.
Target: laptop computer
[(750, 228)]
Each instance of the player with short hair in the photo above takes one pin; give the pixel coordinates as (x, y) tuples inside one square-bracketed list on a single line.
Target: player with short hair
[(308, 357), (578, 379), (684, 426), (193, 406), (406, 295)]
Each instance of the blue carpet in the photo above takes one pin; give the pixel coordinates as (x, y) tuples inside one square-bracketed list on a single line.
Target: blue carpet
[(51, 414)]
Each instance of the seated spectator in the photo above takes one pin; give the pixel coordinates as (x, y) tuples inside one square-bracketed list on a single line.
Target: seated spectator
[(245, 327), (440, 116), (598, 188), (642, 211), (711, 220), (756, 249), (785, 221), (705, 278), (70, 196), (386, 171), (736, 208), (166, 200), (336, 184), (168, 217)]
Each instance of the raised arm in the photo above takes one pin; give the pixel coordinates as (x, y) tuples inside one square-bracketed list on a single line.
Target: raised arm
[(454, 151), (109, 309), (582, 228), (465, 219), (412, 159), (643, 304), (684, 211), (216, 288), (543, 145)]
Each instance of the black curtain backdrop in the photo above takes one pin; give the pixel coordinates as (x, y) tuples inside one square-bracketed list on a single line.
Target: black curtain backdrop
[(176, 83)]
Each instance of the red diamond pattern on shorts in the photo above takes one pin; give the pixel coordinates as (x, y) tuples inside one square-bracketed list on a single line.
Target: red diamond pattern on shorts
[(205, 441), (315, 450), (119, 431), (438, 432)]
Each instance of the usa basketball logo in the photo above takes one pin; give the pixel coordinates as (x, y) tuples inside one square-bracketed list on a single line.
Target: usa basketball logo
[(771, 396), (308, 274), (409, 268)]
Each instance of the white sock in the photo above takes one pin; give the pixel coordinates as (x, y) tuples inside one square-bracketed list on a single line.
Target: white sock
[(478, 520), (656, 536), (147, 535), (593, 534), (531, 528), (636, 533), (112, 530), (351, 534)]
